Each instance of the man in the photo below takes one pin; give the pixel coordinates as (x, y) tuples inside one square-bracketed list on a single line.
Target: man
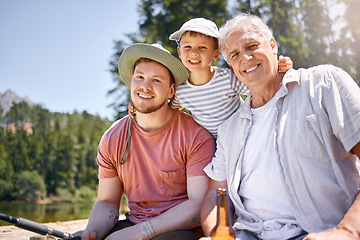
[(287, 156), (156, 159)]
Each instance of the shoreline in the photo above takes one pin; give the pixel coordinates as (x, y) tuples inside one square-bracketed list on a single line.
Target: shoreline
[(13, 232)]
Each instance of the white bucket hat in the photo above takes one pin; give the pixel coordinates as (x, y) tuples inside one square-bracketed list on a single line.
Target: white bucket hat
[(155, 52), (200, 25)]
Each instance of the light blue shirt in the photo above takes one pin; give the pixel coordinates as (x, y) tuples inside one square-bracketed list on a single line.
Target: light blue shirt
[(317, 124)]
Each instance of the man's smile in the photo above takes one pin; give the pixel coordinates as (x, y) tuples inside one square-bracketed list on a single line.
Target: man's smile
[(144, 96), (251, 69)]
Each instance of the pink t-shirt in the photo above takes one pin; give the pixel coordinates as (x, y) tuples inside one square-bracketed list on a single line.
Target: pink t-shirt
[(159, 162)]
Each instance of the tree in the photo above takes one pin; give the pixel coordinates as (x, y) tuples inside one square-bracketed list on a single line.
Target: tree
[(19, 112), (21, 150), (5, 164), (30, 186), (6, 190), (120, 92), (350, 36), (158, 20), (36, 151), (161, 18), (49, 167), (61, 148), (303, 30), (319, 36), (10, 145), (65, 163), (286, 30)]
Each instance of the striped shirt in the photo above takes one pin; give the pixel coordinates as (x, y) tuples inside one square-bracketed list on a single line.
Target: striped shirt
[(214, 102)]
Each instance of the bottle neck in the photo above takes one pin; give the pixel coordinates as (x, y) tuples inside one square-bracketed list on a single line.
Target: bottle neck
[(222, 216)]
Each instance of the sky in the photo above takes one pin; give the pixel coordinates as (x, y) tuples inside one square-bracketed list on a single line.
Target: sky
[(57, 53)]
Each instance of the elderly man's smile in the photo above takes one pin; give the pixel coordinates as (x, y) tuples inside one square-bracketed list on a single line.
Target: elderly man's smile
[(252, 68)]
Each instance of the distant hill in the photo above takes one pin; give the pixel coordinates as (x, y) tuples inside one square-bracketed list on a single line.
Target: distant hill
[(9, 97)]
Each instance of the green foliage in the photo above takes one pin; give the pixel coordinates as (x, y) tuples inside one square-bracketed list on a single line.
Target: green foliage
[(313, 32), (19, 113), (349, 42), (59, 148), (120, 92), (158, 19), (62, 195), (304, 30), (6, 190), (30, 186), (85, 194)]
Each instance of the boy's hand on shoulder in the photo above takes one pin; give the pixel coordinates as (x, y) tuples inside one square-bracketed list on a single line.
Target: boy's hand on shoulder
[(284, 64)]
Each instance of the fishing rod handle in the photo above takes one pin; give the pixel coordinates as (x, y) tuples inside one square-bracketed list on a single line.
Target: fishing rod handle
[(44, 230)]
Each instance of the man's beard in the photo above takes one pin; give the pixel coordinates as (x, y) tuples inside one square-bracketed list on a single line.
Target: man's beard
[(150, 109)]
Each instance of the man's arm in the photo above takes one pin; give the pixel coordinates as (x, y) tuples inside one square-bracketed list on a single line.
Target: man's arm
[(105, 213), (208, 208), (186, 215), (349, 227)]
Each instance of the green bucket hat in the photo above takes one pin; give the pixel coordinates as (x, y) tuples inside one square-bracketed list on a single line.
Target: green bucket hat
[(152, 51)]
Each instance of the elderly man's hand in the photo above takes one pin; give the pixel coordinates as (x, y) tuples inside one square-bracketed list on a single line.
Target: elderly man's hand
[(332, 234)]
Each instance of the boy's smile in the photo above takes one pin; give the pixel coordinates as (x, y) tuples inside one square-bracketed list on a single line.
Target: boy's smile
[(197, 51)]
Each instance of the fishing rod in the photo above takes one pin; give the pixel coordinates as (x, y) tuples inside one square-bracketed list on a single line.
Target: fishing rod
[(37, 227)]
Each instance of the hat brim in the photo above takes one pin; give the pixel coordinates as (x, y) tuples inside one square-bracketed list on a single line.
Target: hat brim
[(142, 50), (175, 36)]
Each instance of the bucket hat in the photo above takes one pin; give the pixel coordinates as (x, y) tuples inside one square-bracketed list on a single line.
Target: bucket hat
[(200, 25), (155, 52)]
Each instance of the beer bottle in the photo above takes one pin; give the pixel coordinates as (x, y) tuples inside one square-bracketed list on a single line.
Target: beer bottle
[(222, 229)]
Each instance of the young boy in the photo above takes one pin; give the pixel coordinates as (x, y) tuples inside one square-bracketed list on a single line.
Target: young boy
[(211, 94)]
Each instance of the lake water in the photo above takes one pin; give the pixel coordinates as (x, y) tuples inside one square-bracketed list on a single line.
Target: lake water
[(44, 213)]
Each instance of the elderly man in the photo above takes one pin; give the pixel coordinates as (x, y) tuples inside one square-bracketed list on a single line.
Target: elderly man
[(156, 159), (287, 156)]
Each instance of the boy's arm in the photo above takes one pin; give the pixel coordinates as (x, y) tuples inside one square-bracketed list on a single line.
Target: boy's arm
[(284, 64), (174, 102)]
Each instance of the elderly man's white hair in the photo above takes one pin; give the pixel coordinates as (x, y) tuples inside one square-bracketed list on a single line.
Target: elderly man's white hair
[(243, 20)]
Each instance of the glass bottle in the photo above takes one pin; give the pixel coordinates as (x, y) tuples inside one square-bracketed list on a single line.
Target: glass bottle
[(222, 229)]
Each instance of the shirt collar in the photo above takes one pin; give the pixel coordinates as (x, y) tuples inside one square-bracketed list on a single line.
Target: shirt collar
[(291, 76)]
